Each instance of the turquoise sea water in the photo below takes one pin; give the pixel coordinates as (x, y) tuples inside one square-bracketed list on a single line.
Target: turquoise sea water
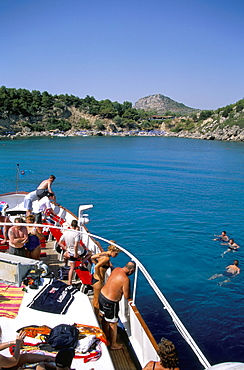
[(163, 199)]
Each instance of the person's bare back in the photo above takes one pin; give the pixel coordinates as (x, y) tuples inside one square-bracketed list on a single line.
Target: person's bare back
[(233, 269), (117, 284), (46, 184)]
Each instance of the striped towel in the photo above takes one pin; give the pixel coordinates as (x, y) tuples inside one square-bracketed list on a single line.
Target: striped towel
[(10, 300)]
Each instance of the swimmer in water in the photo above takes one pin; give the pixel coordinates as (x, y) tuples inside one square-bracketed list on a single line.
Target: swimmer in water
[(233, 247), (223, 237), (231, 271)]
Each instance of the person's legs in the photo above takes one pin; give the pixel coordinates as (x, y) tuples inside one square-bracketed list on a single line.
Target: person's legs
[(215, 276), (28, 212), (31, 358), (96, 290), (113, 336), (66, 258), (28, 206), (71, 270), (105, 327), (35, 254)]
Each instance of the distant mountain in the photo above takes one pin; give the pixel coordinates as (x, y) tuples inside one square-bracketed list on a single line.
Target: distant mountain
[(162, 104)]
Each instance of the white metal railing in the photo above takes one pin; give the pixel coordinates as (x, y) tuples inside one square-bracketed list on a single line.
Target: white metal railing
[(179, 325), (133, 329)]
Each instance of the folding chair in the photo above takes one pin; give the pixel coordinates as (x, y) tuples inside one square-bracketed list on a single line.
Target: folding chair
[(84, 275)]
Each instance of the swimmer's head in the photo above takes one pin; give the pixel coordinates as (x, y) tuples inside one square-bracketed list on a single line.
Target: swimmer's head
[(236, 262)]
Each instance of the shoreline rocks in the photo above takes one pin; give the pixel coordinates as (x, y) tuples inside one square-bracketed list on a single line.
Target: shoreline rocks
[(234, 133)]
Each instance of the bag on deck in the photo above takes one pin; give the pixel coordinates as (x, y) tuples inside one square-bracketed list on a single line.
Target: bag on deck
[(63, 273), (63, 336)]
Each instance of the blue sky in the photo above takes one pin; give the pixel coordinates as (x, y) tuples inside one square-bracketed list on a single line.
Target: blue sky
[(191, 51)]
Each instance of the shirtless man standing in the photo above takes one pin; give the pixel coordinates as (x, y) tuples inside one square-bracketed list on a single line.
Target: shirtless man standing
[(117, 285), (44, 189), (18, 236)]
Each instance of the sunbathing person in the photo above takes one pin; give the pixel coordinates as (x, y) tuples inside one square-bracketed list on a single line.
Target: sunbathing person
[(18, 360), (168, 357), (102, 263), (63, 361)]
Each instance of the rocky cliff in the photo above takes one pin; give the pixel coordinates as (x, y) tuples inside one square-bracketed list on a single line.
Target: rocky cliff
[(162, 104)]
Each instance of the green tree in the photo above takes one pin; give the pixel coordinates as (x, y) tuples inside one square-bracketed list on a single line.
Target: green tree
[(107, 109), (227, 111), (84, 124), (205, 114), (47, 100), (131, 114), (99, 125)]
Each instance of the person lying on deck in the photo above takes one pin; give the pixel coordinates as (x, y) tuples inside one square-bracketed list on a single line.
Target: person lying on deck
[(18, 360), (63, 361)]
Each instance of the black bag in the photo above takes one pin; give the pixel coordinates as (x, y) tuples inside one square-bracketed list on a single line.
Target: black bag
[(63, 336), (33, 278), (63, 273), (58, 248)]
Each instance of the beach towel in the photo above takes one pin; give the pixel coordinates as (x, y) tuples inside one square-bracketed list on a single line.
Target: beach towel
[(10, 300), (54, 297)]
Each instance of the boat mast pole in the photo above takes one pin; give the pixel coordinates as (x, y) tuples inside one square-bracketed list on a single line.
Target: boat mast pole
[(17, 178)]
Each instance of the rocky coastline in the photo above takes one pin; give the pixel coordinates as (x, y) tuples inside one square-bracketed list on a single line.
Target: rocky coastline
[(234, 133)]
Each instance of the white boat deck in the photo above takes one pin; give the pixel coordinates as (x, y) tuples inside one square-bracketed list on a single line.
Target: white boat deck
[(80, 311)]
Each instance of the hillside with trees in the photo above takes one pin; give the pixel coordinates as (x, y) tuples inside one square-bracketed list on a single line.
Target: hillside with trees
[(36, 111), (30, 112), (225, 123)]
